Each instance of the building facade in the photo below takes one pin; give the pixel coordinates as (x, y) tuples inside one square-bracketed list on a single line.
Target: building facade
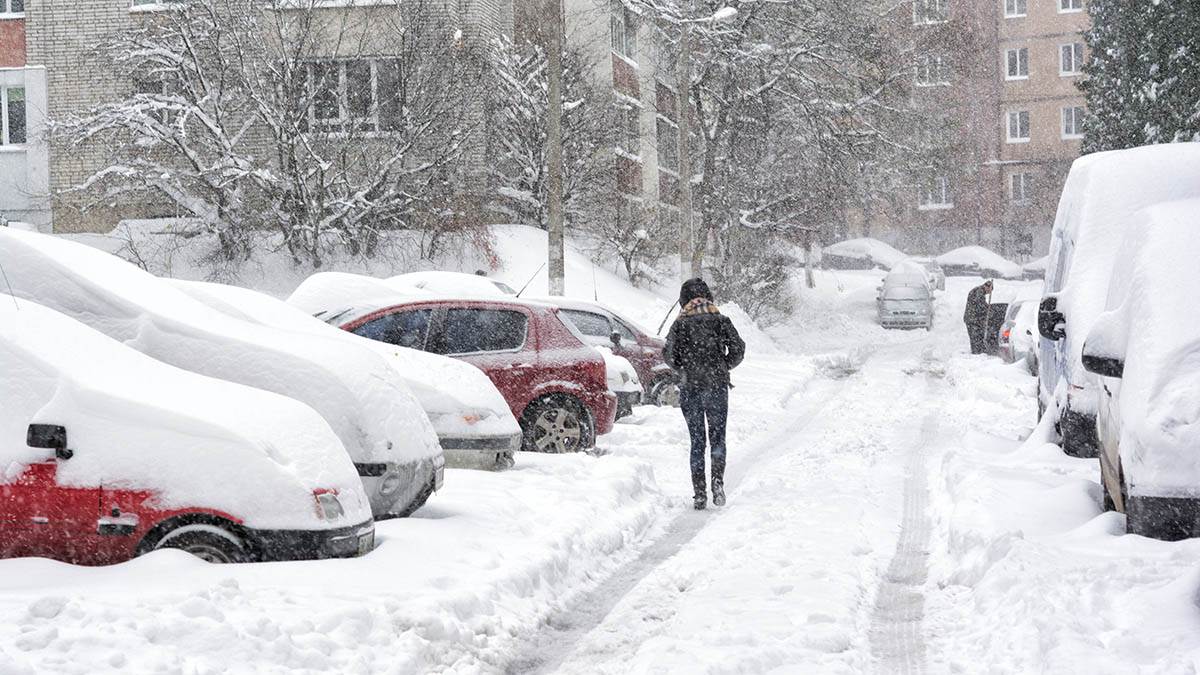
[(24, 153)]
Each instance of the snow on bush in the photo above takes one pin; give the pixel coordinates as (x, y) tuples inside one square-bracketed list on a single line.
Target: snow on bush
[(977, 260), (864, 253), (355, 390), (137, 423)]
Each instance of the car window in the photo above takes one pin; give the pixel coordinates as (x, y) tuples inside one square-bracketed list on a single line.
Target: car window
[(625, 331), (906, 293), (405, 329), (589, 323), (469, 331)]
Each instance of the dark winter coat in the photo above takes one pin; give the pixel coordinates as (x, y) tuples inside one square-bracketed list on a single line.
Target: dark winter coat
[(703, 345), (975, 315)]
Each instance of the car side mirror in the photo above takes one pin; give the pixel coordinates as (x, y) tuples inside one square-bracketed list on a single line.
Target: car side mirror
[(1104, 366), (615, 338), (1051, 322), (50, 436)]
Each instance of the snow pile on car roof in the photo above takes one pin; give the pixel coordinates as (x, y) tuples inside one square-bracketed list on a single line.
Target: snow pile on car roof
[(444, 386), (1152, 324), (358, 394), (453, 283), (871, 252), (338, 297), (137, 423), (980, 260)]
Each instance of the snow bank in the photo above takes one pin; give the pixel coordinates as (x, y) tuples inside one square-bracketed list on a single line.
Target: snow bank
[(866, 252), (137, 423), (454, 283), (355, 390), (978, 261), (458, 397)]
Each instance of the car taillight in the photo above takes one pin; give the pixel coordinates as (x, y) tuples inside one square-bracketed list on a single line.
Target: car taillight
[(328, 506), (1007, 333)]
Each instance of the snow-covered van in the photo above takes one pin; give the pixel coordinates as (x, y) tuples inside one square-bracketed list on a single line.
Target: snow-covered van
[(106, 454), (474, 425), (1145, 349), (381, 425), (1102, 194)]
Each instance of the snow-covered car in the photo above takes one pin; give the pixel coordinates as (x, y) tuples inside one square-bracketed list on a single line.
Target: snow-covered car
[(454, 283), (623, 381), (106, 454), (977, 261), (1145, 348), (474, 425), (554, 383), (860, 254), (1016, 341), (905, 299), (602, 326), (1035, 269), (1102, 194), (381, 425), (934, 271)]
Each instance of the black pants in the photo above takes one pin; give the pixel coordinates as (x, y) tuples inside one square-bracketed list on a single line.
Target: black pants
[(706, 410)]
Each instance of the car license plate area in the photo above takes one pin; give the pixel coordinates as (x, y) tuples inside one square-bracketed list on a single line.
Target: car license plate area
[(366, 543)]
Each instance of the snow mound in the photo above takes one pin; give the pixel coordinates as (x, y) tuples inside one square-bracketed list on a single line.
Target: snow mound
[(978, 261), (863, 253), (140, 424), (454, 283)]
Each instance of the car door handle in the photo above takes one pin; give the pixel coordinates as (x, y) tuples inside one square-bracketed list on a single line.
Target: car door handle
[(40, 520)]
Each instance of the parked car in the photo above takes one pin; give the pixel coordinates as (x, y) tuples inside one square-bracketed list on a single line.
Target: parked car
[(977, 261), (1016, 341), (936, 275), (602, 326), (454, 283), (473, 423), (905, 300), (622, 380), (381, 425), (1102, 193), (860, 254), (1145, 350), (555, 385), (106, 454)]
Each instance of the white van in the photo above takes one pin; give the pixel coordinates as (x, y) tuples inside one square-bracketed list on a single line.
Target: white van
[(1102, 194)]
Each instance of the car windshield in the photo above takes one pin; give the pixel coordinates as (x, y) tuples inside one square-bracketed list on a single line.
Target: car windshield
[(905, 293)]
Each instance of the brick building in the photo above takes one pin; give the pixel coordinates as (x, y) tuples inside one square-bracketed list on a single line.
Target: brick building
[(24, 156)]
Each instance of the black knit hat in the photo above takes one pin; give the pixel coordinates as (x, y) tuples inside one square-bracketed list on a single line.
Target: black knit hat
[(692, 289)]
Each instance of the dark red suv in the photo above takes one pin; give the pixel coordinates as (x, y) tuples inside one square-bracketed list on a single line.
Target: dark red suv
[(554, 383)]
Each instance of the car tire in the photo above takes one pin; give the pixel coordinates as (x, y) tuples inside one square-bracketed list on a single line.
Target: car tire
[(664, 393), (557, 425), (210, 543)]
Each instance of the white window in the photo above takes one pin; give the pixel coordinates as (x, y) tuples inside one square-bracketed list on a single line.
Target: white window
[(929, 11), (1017, 64), (1016, 8), (935, 194), (12, 7), (12, 106), (1020, 188), (1070, 6), (1018, 126), (360, 95), (1072, 122), (629, 127), (668, 144), (1070, 59), (624, 30), (933, 70)]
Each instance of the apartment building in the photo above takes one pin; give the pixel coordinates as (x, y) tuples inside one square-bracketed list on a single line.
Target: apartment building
[(24, 156)]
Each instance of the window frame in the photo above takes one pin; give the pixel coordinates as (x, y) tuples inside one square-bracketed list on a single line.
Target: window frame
[(378, 121), (932, 70), (1077, 56), (1077, 114), (1025, 179), (430, 319), (629, 126), (1069, 6), (934, 194), (1014, 14), (930, 12), (1022, 54), (444, 325), (5, 118), (1008, 126), (623, 29)]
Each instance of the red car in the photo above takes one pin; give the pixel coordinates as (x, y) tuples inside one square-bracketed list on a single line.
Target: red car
[(555, 384)]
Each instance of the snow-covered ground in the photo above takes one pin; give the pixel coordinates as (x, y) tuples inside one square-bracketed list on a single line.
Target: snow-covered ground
[(884, 514)]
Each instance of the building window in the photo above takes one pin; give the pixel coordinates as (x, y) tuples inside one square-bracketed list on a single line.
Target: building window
[(360, 95), (933, 70), (935, 195), (668, 145), (929, 11), (1020, 188), (12, 100), (1017, 61), (1015, 8), (1070, 6), (629, 127), (1018, 126), (1070, 59), (12, 7), (624, 30), (1072, 122)]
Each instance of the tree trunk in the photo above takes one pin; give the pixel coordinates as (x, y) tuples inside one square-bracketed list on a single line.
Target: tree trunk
[(554, 156)]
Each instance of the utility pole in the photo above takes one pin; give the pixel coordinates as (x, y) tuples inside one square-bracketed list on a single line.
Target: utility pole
[(683, 85), (554, 155)]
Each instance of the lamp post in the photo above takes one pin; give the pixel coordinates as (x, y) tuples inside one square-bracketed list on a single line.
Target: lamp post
[(688, 267)]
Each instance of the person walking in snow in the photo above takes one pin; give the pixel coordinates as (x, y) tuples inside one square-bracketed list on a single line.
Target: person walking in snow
[(976, 316), (702, 347)]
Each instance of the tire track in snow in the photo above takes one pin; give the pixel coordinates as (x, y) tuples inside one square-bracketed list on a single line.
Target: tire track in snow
[(896, 636)]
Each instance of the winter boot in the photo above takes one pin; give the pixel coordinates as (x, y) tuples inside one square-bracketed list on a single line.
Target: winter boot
[(699, 497), (718, 481)]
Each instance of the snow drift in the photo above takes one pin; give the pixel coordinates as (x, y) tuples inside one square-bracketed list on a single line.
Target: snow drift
[(978, 261), (863, 253)]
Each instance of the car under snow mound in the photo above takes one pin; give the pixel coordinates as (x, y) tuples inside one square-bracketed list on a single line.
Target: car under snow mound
[(1146, 346), (163, 444), (385, 432), (977, 261), (453, 283), (462, 403), (860, 254)]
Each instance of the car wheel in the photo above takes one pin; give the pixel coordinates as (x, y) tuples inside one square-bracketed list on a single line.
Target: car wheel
[(556, 425), (665, 393), (209, 543)]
